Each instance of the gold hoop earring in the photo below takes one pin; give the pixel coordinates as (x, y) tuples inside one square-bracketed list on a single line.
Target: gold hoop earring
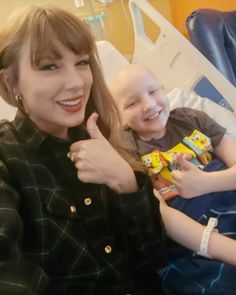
[(19, 98)]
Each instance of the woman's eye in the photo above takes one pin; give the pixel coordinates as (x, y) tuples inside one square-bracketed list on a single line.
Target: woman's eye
[(83, 63), (48, 67)]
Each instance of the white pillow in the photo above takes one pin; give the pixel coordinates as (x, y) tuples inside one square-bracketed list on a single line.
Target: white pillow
[(180, 97), (111, 59), (6, 111)]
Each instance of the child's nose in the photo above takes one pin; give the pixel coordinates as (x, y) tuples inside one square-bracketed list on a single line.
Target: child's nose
[(148, 103)]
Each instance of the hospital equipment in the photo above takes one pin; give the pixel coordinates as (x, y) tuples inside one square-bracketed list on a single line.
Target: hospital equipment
[(176, 62), (179, 66), (213, 32)]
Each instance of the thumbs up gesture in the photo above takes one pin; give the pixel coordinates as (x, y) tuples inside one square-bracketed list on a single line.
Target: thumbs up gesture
[(98, 162), (92, 127), (189, 180)]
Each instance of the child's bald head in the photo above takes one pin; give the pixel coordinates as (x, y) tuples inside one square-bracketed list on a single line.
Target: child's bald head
[(141, 100), (126, 80)]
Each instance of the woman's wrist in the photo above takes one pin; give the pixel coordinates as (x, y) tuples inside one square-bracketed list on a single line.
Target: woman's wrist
[(124, 182)]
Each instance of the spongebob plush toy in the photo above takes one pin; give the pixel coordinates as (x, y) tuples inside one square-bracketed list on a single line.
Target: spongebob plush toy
[(197, 149)]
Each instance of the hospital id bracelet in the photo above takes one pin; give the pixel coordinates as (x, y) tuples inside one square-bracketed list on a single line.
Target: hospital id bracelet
[(212, 223)]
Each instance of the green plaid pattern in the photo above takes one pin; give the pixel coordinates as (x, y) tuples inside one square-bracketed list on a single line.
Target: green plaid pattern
[(61, 236)]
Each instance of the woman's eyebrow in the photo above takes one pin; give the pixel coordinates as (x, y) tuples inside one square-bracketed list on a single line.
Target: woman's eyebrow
[(49, 58)]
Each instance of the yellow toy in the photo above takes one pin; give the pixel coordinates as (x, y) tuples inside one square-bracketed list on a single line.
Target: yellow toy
[(154, 162), (196, 148), (201, 145)]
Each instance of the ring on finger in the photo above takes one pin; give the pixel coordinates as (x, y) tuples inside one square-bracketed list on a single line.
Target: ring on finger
[(71, 156)]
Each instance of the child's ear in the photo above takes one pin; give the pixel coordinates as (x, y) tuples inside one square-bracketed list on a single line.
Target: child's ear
[(120, 116)]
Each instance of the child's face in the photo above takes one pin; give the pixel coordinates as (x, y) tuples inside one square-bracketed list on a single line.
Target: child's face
[(143, 103)]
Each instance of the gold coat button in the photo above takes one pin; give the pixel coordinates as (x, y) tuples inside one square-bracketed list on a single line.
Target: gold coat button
[(87, 201), (108, 249), (73, 209)]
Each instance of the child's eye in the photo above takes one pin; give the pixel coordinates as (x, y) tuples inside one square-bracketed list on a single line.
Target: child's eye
[(154, 91), (48, 67), (130, 105)]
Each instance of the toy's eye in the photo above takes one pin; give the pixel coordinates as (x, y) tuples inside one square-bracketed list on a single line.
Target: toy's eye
[(196, 137)]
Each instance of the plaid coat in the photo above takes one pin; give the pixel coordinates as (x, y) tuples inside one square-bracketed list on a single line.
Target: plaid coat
[(61, 236)]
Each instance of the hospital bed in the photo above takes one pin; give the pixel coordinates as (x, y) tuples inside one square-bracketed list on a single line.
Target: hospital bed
[(182, 70), (188, 77), (174, 59)]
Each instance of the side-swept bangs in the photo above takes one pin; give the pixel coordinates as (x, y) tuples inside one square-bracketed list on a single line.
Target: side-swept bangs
[(54, 24)]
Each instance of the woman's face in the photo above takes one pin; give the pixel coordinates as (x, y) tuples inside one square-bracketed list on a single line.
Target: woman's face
[(56, 94)]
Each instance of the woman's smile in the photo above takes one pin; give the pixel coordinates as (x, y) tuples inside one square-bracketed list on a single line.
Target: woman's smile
[(71, 105)]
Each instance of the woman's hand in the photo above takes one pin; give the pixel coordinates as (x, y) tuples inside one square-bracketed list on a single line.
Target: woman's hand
[(190, 181), (97, 161)]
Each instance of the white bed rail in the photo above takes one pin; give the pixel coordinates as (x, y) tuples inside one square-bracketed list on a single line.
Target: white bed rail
[(175, 61)]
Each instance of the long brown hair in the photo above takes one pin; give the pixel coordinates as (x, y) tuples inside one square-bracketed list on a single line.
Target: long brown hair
[(41, 26)]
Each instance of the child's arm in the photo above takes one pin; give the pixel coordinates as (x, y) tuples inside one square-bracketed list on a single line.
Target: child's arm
[(188, 233), (192, 182), (226, 152)]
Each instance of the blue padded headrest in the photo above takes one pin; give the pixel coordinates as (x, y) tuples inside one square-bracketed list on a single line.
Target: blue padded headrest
[(213, 32)]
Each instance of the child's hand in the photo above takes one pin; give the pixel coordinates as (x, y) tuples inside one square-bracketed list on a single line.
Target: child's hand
[(159, 197), (189, 180), (97, 161)]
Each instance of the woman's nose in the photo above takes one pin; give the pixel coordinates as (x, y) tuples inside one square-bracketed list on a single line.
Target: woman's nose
[(73, 79)]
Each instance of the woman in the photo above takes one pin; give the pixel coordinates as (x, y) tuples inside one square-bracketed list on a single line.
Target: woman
[(86, 226), (68, 230)]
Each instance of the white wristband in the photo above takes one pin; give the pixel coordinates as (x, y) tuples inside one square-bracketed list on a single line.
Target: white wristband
[(212, 222)]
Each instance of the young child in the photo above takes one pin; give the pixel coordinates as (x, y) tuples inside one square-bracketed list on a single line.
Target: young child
[(179, 148)]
